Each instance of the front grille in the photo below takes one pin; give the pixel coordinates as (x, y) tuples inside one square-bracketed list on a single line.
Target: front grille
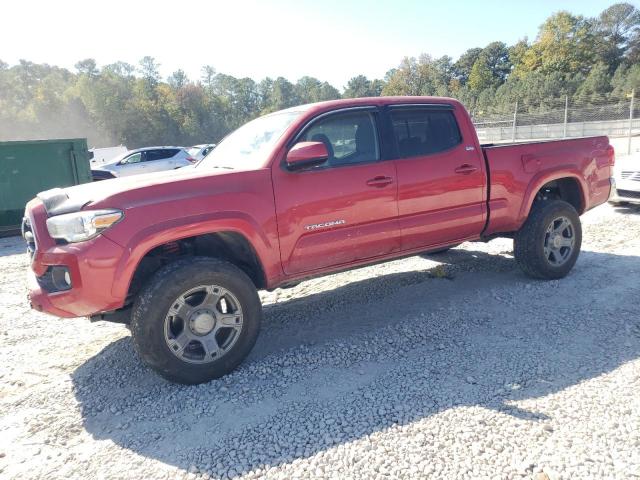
[(628, 194), (29, 237), (630, 175)]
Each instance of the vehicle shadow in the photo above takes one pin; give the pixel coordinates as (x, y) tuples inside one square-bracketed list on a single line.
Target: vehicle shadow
[(12, 245), (467, 338), (627, 208)]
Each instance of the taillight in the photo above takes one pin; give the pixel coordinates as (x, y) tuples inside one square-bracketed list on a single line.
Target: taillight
[(191, 159), (611, 153)]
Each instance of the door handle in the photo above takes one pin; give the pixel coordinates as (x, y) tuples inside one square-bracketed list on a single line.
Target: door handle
[(466, 169), (379, 181)]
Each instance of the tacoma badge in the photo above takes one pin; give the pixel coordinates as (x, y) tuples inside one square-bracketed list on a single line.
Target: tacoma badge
[(332, 223)]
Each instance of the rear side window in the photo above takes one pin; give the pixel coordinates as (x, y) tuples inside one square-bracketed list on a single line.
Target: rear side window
[(151, 155), (424, 132)]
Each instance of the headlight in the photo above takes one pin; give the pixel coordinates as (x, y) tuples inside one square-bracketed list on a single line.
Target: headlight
[(81, 226)]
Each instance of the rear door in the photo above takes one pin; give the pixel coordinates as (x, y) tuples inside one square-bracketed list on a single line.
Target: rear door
[(160, 159), (441, 179), (344, 210)]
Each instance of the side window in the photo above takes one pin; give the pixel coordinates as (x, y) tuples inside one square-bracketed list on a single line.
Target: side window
[(152, 155), (349, 137), (423, 132), (135, 158)]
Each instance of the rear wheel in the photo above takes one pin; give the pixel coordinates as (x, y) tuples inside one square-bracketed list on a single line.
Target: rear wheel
[(196, 320), (548, 244)]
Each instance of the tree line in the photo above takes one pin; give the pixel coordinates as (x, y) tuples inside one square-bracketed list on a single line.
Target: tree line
[(585, 59)]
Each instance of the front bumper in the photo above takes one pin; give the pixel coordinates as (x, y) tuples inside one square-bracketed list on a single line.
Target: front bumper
[(92, 267), (624, 192), (102, 175)]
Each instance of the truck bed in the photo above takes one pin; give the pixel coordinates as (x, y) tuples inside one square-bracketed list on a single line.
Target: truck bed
[(520, 170)]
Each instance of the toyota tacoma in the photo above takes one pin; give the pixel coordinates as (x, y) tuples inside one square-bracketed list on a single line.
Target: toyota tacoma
[(179, 256)]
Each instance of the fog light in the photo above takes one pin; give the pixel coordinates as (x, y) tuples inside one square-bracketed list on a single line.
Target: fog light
[(61, 278)]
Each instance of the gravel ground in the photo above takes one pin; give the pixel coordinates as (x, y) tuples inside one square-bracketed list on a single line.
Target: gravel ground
[(449, 366)]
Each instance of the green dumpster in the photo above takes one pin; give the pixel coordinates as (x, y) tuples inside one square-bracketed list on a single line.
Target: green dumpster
[(29, 167)]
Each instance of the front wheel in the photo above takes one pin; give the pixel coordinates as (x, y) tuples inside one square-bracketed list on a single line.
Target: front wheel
[(548, 244), (196, 320)]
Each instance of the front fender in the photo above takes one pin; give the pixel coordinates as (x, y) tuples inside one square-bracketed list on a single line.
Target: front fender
[(152, 236)]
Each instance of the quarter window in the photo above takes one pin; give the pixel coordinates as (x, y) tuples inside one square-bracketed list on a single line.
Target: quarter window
[(349, 137), (424, 132)]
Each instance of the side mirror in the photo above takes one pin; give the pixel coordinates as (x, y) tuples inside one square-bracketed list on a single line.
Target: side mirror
[(307, 154)]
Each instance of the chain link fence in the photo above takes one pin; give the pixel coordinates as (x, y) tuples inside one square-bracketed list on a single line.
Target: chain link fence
[(563, 118)]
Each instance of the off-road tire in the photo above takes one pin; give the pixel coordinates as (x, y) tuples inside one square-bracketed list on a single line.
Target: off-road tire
[(155, 299), (529, 241)]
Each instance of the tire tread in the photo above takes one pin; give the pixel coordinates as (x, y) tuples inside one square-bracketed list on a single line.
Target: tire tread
[(526, 246), (147, 317)]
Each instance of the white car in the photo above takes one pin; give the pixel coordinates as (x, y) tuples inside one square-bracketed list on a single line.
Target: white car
[(200, 151), (626, 174), (99, 156), (143, 160)]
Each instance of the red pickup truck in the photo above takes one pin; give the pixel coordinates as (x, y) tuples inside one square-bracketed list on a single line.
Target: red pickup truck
[(311, 190)]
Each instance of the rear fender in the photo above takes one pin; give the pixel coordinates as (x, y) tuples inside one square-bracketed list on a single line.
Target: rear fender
[(541, 179)]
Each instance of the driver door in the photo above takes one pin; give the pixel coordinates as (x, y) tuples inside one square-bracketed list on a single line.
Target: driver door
[(344, 210), (131, 165)]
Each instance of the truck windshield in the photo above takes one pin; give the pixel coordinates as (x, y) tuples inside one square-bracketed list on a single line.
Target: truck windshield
[(249, 146)]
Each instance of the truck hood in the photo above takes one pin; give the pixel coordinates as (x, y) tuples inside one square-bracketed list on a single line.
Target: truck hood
[(115, 193)]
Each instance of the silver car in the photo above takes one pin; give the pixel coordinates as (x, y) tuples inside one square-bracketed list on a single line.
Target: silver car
[(626, 173), (144, 160)]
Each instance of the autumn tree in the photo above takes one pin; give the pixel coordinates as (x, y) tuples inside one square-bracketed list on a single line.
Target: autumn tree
[(586, 59), (618, 28), (565, 43), (361, 86), (463, 66)]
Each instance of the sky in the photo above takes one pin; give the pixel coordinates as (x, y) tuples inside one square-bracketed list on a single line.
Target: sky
[(331, 40)]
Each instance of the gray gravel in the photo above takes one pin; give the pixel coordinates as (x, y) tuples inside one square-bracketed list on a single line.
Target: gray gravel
[(450, 366)]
